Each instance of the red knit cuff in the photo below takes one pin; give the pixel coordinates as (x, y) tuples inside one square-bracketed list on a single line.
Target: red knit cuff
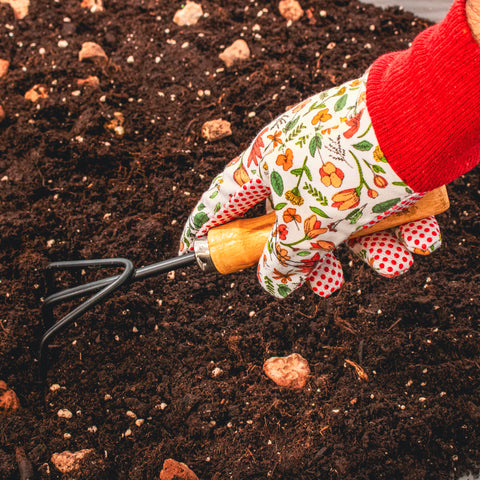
[(425, 104)]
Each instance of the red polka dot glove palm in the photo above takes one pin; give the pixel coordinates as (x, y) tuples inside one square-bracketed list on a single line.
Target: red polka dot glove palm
[(388, 252), (324, 174)]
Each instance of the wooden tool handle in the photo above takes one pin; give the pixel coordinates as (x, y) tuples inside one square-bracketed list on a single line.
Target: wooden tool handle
[(239, 244)]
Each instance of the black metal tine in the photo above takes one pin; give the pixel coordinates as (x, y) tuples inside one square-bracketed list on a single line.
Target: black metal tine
[(140, 273), (81, 290), (84, 306), (103, 286), (70, 293)]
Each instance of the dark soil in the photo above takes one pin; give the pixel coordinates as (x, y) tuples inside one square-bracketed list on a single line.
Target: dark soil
[(151, 349)]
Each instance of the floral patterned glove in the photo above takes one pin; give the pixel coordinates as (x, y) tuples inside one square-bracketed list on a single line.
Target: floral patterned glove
[(323, 172)]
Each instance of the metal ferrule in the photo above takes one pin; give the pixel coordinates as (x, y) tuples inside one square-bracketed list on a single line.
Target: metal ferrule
[(202, 255)]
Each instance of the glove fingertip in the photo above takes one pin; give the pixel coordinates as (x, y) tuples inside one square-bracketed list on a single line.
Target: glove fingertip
[(327, 277), (421, 237)]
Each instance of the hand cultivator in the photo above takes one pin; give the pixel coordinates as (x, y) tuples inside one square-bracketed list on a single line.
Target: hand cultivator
[(227, 248)]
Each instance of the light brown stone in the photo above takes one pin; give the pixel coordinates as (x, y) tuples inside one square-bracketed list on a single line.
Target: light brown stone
[(9, 402), (19, 7), (71, 462), (290, 372), (290, 10), (92, 51), (4, 64), (236, 52), (173, 470), (64, 413), (36, 92), (188, 15), (214, 130), (91, 81), (93, 5)]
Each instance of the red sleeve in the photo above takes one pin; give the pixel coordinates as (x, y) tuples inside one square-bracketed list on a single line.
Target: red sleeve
[(425, 104)]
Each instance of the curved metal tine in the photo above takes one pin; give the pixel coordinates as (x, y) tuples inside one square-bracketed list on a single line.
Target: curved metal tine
[(83, 307), (80, 290), (140, 273)]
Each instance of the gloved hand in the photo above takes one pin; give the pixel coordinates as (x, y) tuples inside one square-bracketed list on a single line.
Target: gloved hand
[(325, 176)]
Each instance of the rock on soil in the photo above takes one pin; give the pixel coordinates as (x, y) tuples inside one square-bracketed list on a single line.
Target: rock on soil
[(214, 130), (64, 413), (236, 52), (19, 7), (173, 470), (9, 402), (116, 124), (93, 5), (4, 64), (188, 15), (92, 51), (74, 463), (91, 81), (36, 92), (290, 372), (290, 10)]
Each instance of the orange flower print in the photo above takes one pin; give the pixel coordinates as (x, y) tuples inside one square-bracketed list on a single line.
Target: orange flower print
[(372, 193), (309, 263), (355, 83), (282, 254), (275, 138), (331, 175), (322, 245), (283, 277), (321, 116), (240, 175), (256, 150), (282, 231), (285, 161), (354, 124), (346, 199), (328, 131), (311, 227), (379, 181), (290, 215)]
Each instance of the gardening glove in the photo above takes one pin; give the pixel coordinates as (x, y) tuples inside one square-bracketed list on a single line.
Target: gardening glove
[(325, 176)]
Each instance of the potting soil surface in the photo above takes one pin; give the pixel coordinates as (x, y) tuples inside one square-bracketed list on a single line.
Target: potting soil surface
[(171, 367)]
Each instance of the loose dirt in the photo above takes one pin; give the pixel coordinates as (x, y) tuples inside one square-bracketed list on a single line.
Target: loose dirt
[(172, 367)]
